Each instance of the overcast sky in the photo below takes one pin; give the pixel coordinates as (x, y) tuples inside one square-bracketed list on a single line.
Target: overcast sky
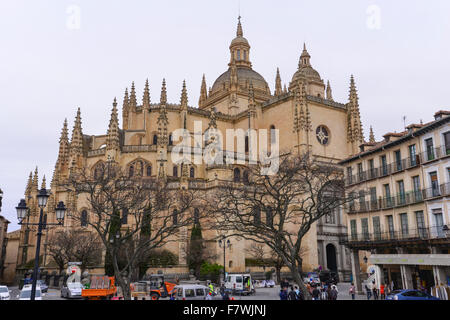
[(56, 55)]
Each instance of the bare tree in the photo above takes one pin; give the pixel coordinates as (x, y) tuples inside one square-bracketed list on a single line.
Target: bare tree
[(131, 215), (303, 190), (75, 245)]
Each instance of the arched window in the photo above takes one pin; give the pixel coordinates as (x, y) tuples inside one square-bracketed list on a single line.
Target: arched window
[(155, 139), (175, 216), (246, 143), (245, 55), (125, 216), (170, 140), (245, 177), (84, 218), (273, 138), (256, 215), (236, 175), (98, 171), (175, 171), (192, 172), (269, 217), (131, 171), (149, 171), (238, 55), (196, 216)]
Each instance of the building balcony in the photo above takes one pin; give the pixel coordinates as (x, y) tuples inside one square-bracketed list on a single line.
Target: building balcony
[(366, 239), (398, 166)]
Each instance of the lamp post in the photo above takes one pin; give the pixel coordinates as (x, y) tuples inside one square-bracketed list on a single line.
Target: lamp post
[(225, 245), (23, 211)]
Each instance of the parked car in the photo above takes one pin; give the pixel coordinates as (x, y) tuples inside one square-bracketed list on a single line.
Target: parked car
[(25, 293), (410, 295), (329, 277), (312, 277), (191, 292), (71, 290), (240, 283), (43, 285), (4, 293)]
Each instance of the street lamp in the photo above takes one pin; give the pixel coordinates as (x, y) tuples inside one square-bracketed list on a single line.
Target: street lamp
[(225, 245), (23, 212)]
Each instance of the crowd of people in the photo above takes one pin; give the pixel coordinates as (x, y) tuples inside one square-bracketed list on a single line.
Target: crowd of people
[(318, 292)]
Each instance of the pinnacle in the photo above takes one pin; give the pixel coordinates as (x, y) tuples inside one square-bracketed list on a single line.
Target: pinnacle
[(163, 99), (239, 32)]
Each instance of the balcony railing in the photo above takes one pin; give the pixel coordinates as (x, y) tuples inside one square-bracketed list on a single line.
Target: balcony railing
[(425, 233), (139, 148), (397, 166), (399, 200)]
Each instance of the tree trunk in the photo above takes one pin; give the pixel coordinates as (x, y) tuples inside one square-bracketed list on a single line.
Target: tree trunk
[(126, 291), (278, 273), (296, 274)]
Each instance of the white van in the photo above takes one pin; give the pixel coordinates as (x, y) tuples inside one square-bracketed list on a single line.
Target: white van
[(25, 294), (240, 283), (190, 292)]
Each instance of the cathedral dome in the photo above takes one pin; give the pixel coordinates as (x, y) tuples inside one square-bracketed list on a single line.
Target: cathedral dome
[(244, 75), (306, 72)]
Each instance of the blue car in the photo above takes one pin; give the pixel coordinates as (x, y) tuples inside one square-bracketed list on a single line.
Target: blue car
[(409, 295)]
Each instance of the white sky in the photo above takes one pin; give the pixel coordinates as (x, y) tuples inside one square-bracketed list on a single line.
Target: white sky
[(48, 69)]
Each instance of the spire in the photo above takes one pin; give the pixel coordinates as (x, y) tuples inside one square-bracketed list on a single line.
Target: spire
[(285, 89), (34, 184), (133, 101), (146, 97), (371, 136), (354, 127), (278, 89), (76, 144), (63, 156), (29, 184), (184, 97), (239, 32), (112, 139), (163, 99), (203, 93), (44, 184), (251, 96), (125, 110), (304, 58), (329, 92)]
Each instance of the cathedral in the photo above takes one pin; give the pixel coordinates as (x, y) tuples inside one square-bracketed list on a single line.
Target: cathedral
[(304, 112)]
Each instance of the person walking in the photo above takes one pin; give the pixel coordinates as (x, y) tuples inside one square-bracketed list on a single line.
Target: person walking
[(316, 293), (298, 293), (328, 290), (382, 294), (283, 294), (222, 289), (333, 293), (324, 294), (352, 291), (368, 290), (374, 290), (291, 294)]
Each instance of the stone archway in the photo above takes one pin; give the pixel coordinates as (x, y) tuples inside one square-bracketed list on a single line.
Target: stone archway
[(331, 257)]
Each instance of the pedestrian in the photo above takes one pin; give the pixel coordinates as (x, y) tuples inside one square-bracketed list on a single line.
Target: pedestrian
[(328, 290), (208, 296), (225, 296), (375, 291), (382, 294), (316, 293), (298, 293), (352, 291), (283, 294), (284, 284), (333, 293), (222, 289), (323, 294), (291, 294), (368, 288)]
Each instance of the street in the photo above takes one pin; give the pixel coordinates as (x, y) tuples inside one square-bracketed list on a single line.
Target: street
[(261, 294)]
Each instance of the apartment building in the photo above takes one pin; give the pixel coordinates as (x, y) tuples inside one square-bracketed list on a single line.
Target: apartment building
[(400, 218)]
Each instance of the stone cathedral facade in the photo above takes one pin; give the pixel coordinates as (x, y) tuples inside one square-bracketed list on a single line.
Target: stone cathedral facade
[(304, 112)]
